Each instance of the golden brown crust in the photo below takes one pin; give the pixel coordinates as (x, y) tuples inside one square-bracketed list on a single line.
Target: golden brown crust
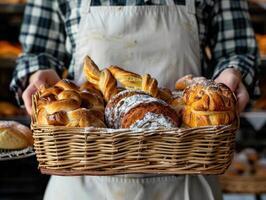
[(66, 105), (91, 100), (188, 80), (14, 135), (130, 106), (66, 84), (89, 87), (165, 94), (208, 103), (84, 118), (107, 84), (91, 71), (138, 113), (128, 79), (149, 85), (113, 101), (62, 105), (177, 103), (133, 81)]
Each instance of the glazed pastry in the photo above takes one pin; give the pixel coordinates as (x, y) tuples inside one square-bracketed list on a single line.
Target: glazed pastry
[(64, 104), (136, 109), (102, 80), (133, 81), (14, 135), (208, 103), (106, 81)]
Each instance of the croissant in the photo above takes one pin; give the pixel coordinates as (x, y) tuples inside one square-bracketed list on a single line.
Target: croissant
[(65, 104), (208, 103)]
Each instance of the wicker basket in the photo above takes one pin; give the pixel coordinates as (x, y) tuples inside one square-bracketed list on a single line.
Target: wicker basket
[(94, 151), (243, 184)]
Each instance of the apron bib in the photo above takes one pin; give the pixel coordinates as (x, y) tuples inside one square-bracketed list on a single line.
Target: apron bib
[(159, 40)]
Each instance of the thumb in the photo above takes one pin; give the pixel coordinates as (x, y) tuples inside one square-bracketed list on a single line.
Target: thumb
[(27, 95)]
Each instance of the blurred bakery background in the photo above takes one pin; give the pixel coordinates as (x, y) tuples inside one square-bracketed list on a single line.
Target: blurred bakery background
[(20, 178)]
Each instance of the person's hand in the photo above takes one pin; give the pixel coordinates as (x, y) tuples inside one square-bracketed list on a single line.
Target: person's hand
[(36, 80), (232, 78)]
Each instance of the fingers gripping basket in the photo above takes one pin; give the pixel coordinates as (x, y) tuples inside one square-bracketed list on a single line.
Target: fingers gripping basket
[(99, 151)]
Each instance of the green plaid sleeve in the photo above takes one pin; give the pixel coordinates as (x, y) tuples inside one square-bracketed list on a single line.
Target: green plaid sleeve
[(233, 42)]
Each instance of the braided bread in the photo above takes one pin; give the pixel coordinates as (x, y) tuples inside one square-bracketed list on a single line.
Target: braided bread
[(102, 80), (208, 103), (65, 104), (145, 83)]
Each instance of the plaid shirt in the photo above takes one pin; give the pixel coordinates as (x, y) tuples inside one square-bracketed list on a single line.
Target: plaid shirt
[(49, 30)]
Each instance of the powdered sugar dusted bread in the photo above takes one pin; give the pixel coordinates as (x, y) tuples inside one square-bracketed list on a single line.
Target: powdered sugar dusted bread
[(136, 109)]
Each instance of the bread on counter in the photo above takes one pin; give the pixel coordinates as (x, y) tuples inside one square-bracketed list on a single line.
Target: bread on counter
[(14, 135), (10, 110)]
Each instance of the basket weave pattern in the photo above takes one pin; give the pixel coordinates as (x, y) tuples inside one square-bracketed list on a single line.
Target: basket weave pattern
[(243, 184), (94, 151)]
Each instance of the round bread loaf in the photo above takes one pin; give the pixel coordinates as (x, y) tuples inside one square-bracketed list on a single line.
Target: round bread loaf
[(136, 109), (208, 103), (14, 135)]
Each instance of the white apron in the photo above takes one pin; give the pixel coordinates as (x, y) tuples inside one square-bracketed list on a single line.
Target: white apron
[(159, 40)]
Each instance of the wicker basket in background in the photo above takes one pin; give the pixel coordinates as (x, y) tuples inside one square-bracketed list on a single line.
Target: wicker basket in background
[(92, 151), (243, 184)]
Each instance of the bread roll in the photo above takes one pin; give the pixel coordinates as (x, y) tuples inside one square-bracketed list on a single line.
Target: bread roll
[(14, 135)]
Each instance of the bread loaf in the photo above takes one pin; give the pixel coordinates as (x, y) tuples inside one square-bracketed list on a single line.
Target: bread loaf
[(136, 109), (208, 103), (14, 135), (65, 104)]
